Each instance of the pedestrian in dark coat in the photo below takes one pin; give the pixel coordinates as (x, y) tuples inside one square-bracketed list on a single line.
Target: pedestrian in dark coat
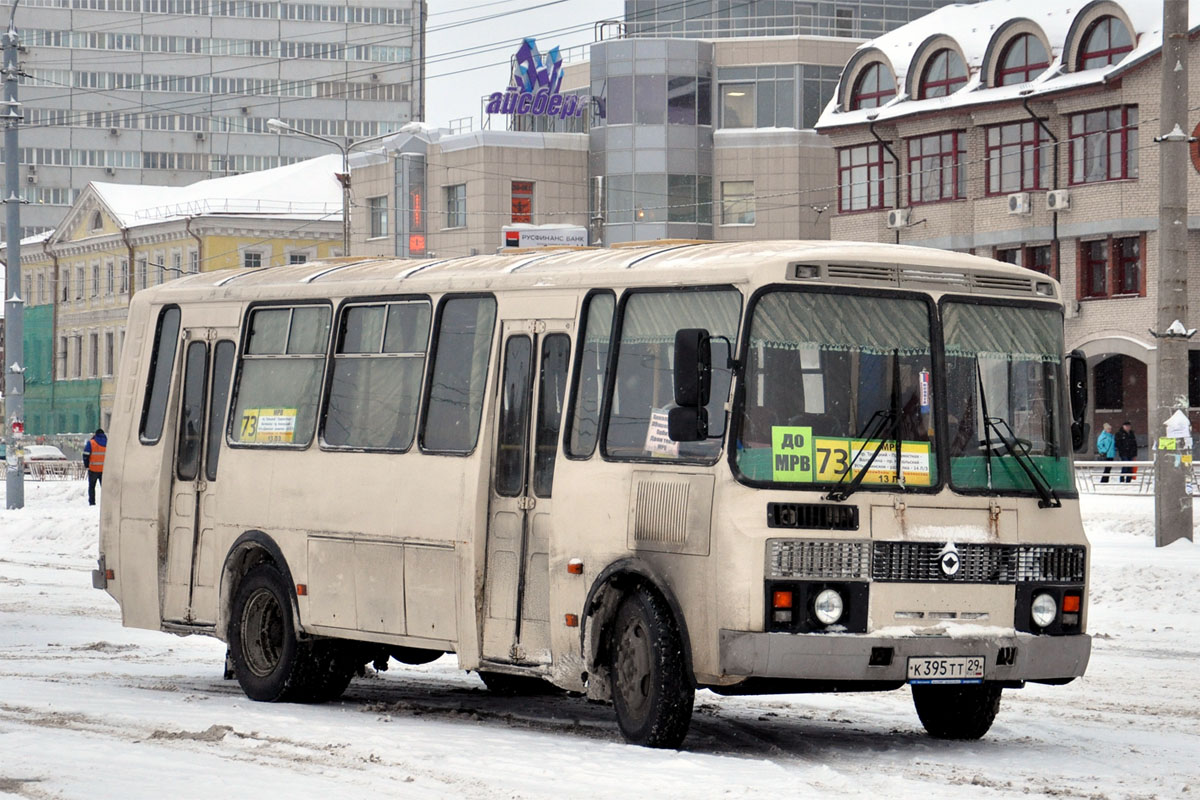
[(93, 459), (1127, 449)]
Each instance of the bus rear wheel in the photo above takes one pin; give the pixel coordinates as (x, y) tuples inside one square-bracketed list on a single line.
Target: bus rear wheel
[(269, 661), (957, 712), (652, 693)]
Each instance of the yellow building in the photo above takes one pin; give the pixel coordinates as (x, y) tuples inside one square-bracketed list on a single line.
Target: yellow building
[(118, 239)]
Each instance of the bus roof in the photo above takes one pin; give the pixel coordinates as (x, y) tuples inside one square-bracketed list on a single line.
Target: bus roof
[(648, 264)]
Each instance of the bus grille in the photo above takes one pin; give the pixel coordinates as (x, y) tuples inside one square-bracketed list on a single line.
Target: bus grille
[(797, 558), (920, 562), (1051, 564)]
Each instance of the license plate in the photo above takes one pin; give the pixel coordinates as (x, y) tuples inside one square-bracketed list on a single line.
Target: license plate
[(955, 669)]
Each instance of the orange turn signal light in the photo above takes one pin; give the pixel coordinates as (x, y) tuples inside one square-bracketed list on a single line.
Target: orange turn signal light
[(109, 575), (572, 621), (782, 599), (301, 590), (1071, 603)]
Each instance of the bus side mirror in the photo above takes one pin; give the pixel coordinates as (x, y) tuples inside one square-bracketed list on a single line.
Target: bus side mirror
[(1077, 389), (1078, 376), (688, 422), (693, 367)]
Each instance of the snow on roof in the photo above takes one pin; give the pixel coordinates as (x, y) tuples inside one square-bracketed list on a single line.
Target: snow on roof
[(972, 28), (304, 190)]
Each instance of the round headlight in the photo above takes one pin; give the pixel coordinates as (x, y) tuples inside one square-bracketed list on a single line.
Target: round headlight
[(828, 606), (1044, 610)]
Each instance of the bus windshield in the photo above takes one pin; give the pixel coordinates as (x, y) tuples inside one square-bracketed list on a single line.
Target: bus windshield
[(834, 383), (1004, 397)]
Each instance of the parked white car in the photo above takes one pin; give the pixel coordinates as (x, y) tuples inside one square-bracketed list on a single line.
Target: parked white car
[(47, 461)]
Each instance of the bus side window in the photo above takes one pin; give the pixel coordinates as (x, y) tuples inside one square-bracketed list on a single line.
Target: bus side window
[(461, 352), (590, 371), (279, 385), (158, 385), (217, 402), (375, 385), (552, 379), (643, 386)]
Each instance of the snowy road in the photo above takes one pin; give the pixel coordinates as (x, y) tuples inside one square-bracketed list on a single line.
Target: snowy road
[(89, 709)]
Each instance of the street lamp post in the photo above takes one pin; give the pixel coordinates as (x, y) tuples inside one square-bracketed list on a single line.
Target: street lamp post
[(344, 147)]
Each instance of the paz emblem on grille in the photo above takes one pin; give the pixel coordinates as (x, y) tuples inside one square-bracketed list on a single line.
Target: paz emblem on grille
[(949, 561)]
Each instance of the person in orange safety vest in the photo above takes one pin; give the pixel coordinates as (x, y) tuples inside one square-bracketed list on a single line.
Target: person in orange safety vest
[(93, 459)]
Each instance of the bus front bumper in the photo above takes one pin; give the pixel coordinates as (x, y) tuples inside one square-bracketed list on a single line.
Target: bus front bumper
[(1009, 656)]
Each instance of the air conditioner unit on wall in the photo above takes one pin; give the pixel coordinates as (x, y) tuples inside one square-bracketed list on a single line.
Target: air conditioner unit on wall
[(899, 218), (1019, 203), (110, 171), (31, 178), (1058, 200)]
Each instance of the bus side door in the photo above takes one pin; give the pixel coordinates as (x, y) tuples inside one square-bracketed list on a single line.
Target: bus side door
[(190, 590), (533, 377)]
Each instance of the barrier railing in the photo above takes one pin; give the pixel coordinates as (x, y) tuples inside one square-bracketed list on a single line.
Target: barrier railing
[(1107, 476), (56, 470)]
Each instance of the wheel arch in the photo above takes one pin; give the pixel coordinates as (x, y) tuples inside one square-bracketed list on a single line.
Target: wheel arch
[(252, 548), (600, 609)]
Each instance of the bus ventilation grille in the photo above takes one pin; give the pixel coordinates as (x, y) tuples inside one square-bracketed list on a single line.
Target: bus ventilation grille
[(661, 514), (812, 516)]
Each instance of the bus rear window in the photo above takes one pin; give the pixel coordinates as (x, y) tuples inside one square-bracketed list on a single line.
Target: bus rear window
[(158, 385), (280, 381)]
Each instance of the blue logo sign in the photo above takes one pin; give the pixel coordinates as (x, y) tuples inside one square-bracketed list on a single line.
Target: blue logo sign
[(534, 87)]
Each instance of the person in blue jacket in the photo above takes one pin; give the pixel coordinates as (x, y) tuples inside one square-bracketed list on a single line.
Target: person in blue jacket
[(1106, 448)]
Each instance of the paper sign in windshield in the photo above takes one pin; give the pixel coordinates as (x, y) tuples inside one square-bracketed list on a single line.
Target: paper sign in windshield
[(658, 438), (268, 425), (798, 456)]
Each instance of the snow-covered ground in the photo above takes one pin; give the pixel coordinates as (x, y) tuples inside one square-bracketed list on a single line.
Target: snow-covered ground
[(89, 709)]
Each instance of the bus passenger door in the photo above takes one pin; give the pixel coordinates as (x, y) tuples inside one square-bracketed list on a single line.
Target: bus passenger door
[(535, 357), (190, 591)]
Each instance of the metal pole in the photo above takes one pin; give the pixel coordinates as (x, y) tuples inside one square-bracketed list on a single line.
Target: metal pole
[(346, 199), (14, 306), (1172, 503)]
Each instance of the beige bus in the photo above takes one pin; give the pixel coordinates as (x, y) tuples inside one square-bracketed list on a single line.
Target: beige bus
[(764, 467)]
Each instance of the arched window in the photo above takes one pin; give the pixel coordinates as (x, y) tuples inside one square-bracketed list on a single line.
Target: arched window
[(1022, 60), (1105, 42), (874, 87), (97, 222), (944, 74)]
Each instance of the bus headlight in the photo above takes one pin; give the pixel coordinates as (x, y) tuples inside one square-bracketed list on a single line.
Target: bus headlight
[(1044, 610), (828, 606)]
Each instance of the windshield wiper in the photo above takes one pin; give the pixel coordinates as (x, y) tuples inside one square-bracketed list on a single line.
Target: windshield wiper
[(1019, 451), (883, 425)]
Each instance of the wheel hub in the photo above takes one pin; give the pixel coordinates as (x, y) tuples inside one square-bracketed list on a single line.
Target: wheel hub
[(262, 633)]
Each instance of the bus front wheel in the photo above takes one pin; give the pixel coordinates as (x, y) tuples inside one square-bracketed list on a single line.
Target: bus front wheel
[(269, 661), (957, 712), (652, 693)]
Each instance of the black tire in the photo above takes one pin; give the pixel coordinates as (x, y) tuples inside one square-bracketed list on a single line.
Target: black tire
[(270, 663), (652, 692), (517, 685), (957, 712)]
